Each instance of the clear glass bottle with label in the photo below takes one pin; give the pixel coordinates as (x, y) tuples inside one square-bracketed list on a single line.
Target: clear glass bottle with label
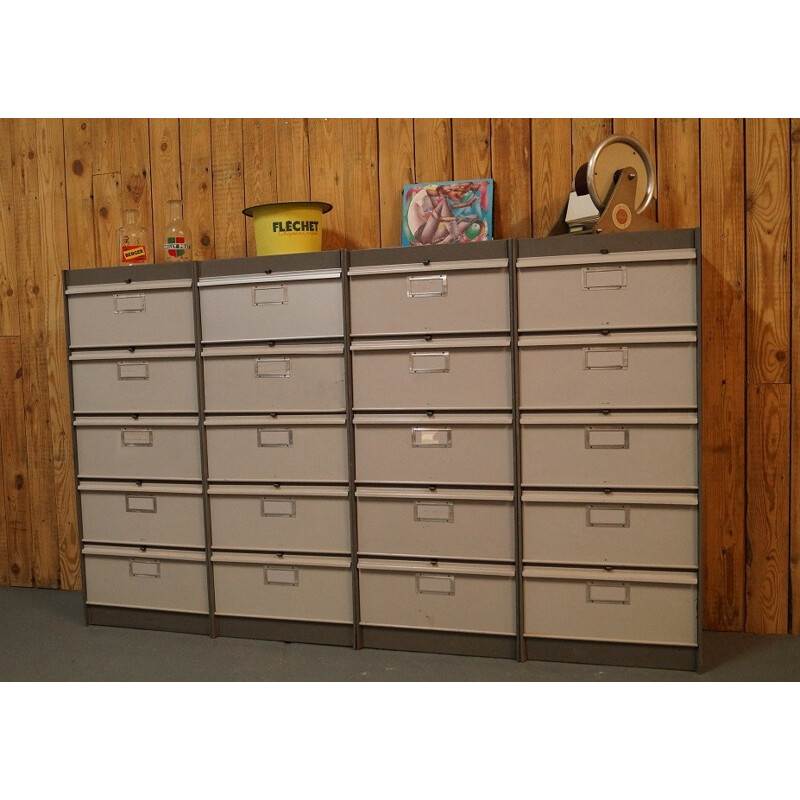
[(133, 246), (177, 237)]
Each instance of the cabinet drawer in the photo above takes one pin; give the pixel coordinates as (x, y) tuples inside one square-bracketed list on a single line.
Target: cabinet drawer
[(455, 523), (445, 596), (278, 378), (611, 605), (308, 588), (618, 528), (163, 580), (286, 519)]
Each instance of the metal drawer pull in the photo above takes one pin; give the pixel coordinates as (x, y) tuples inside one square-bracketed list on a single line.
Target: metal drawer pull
[(605, 277), (608, 516), (281, 576), (137, 437), (270, 295), (429, 362), (431, 437), (427, 286), (426, 511), (605, 592), (141, 503), (605, 358), (275, 437), (133, 370), (128, 303), (273, 367), (606, 438), (435, 584), (145, 569), (270, 507)]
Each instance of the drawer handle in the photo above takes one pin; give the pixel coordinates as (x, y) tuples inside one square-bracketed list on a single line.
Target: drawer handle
[(606, 592), (435, 584), (270, 507), (426, 511), (275, 437), (137, 437), (281, 576), (129, 303), (605, 358), (133, 370), (608, 516), (141, 503), (144, 569), (606, 438), (605, 277), (273, 367), (271, 295), (429, 362), (427, 286), (431, 437)]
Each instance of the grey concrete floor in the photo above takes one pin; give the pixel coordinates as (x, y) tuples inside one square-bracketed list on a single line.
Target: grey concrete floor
[(43, 637)]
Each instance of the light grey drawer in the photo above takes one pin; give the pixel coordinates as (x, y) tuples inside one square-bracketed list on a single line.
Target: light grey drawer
[(287, 305), (611, 605), (618, 370), (131, 315), (648, 289), (285, 518), (154, 514), (279, 378), (438, 449), (163, 580), (146, 381), (444, 596), (625, 450), (307, 588), (446, 523), (149, 448), (441, 373), (624, 529), (281, 448)]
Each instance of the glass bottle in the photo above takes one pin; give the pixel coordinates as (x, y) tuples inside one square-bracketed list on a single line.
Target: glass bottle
[(177, 238), (133, 248)]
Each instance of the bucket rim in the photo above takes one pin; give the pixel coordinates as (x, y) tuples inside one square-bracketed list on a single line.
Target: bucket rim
[(325, 207)]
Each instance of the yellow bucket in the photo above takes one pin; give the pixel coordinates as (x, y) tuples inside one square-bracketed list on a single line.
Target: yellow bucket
[(288, 227)]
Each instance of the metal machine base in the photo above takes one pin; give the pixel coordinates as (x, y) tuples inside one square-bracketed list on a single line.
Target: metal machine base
[(171, 621), (280, 630), (445, 642)]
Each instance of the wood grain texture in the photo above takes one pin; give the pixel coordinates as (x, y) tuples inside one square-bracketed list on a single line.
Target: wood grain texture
[(165, 176), (9, 311), (472, 149), (511, 170), (362, 210), (644, 131), (767, 570), (586, 135), (198, 204), (794, 497), (134, 169), (260, 170), (433, 150), (678, 155), (769, 300), (551, 171), (108, 217), (327, 175), (395, 170), (227, 172), (723, 373), (291, 148), (79, 156)]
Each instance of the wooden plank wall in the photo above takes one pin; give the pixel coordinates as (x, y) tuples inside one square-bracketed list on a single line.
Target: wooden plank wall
[(65, 183)]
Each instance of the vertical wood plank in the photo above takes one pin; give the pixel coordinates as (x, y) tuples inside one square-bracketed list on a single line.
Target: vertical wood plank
[(362, 211), (107, 199), (678, 146), (767, 573), (79, 156), (586, 135), (511, 170), (644, 131), (9, 310), (165, 178), (551, 171), (433, 158), (198, 203), (134, 168), (723, 373), (291, 147), (327, 178), (794, 515), (472, 149), (768, 268), (105, 146), (260, 170), (395, 170), (228, 188)]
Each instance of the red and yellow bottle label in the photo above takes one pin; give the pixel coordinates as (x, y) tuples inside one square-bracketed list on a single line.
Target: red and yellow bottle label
[(134, 254)]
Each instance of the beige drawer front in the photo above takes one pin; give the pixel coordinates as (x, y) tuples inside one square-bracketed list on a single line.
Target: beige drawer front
[(131, 315), (447, 449), (299, 588), (447, 299), (162, 580), (444, 374), (253, 379), (475, 598), (633, 450), (611, 606), (291, 448), (620, 528), (154, 514), (286, 519), (247, 308), (150, 448), (119, 382), (590, 371), (465, 523), (629, 290)]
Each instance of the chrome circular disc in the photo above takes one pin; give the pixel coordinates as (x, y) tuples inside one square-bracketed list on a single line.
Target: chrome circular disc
[(611, 155)]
